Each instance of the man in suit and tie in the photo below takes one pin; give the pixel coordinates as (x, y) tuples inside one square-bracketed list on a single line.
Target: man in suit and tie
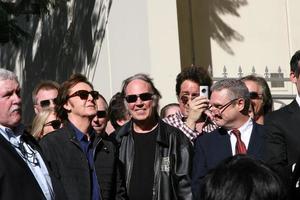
[(23, 172), (282, 126), (237, 132)]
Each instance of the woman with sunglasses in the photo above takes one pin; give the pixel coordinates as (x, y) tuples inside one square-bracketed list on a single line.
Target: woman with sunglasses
[(45, 122)]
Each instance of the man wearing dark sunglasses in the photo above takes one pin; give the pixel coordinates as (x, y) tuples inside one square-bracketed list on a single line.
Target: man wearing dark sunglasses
[(191, 119), (99, 122), (238, 133), (156, 156), (44, 94), (75, 151)]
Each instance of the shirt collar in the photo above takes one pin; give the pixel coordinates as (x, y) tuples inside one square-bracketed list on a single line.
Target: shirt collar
[(80, 135), (9, 133), (246, 126), (298, 99)]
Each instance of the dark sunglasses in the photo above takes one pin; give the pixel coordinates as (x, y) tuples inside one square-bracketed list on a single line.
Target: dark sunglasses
[(133, 97), (47, 102), (54, 123), (101, 113), (84, 95), (184, 98), (254, 95)]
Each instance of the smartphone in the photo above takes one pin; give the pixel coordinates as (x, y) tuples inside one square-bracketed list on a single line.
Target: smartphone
[(204, 91)]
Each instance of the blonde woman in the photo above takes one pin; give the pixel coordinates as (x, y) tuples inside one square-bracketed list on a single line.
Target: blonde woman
[(45, 122)]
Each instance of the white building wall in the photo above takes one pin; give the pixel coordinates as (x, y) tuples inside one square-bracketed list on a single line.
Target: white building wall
[(141, 36)]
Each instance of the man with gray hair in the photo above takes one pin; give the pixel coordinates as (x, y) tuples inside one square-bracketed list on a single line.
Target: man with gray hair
[(237, 132), (23, 173), (152, 152)]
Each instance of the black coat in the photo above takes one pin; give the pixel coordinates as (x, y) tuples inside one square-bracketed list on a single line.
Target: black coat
[(283, 139), (70, 166), (16, 179), (173, 161)]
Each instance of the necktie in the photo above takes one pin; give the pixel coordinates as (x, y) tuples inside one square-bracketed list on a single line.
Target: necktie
[(26, 152), (240, 147)]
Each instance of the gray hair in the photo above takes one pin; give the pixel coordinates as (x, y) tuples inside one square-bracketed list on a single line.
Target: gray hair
[(7, 75), (236, 89), (147, 79)]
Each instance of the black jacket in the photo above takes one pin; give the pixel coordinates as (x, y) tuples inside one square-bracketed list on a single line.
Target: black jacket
[(70, 166), (173, 161), (283, 140), (16, 179)]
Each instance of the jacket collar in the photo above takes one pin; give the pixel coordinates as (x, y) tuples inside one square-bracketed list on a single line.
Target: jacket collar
[(293, 107), (162, 135), (72, 135)]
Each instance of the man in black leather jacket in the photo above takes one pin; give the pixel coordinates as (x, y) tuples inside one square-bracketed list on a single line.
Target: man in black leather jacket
[(156, 156)]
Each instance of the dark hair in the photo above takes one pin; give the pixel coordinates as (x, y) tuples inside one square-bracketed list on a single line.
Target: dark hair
[(45, 85), (196, 74), (164, 110), (117, 110), (63, 93), (102, 97), (242, 178), (294, 63), (266, 93), (236, 89)]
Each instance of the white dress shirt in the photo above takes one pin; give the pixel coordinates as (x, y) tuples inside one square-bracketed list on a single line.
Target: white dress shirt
[(246, 130)]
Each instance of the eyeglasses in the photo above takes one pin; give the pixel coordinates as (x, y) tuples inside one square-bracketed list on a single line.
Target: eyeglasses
[(54, 123), (84, 95), (47, 102), (133, 97), (185, 98), (101, 113), (254, 95), (222, 108)]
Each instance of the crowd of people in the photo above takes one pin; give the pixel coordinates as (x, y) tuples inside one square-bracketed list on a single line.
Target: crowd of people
[(225, 144)]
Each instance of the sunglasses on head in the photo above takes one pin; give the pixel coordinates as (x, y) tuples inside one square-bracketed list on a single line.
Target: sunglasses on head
[(47, 102), (133, 97), (101, 113), (84, 95), (254, 95), (54, 123)]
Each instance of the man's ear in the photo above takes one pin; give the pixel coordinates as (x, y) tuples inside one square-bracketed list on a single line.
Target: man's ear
[(36, 109), (241, 104), (293, 77), (67, 106)]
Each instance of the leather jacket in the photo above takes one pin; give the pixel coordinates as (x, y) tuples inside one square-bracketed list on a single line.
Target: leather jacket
[(172, 165)]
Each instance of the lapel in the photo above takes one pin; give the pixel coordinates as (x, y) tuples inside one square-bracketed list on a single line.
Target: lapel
[(256, 145), (294, 112), (6, 146), (223, 143)]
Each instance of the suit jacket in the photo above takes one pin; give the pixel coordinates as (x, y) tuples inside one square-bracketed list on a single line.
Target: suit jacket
[(16, 179), (283, 139), (212, 148)]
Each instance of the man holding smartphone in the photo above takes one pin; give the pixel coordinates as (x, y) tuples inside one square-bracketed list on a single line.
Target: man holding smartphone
[(192, 88)]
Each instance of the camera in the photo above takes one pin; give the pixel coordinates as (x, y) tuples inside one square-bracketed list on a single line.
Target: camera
[(204, 91)]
